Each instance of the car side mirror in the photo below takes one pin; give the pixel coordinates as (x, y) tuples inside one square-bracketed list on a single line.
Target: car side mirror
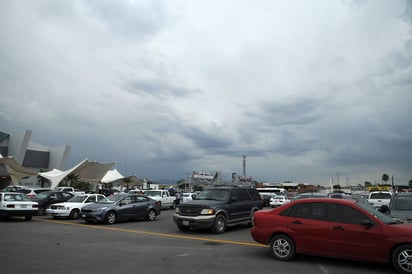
[(367, 223)]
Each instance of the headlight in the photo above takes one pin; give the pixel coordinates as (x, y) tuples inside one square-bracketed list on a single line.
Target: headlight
[(177, 210), (207, 211)]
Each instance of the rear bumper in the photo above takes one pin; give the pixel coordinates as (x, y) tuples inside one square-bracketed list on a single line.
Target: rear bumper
[(24, 212)]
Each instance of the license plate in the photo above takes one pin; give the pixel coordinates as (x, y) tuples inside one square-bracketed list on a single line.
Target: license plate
[(83, 215), (23, 206), (186, 223)]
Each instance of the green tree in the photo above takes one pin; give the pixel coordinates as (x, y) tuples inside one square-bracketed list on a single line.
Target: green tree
[(41, 180), (385, 178), (368, 184), (127, 181), (71, 179)]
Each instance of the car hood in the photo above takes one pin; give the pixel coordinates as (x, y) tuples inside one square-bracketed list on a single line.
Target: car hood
[(68, 204), (404, 215)]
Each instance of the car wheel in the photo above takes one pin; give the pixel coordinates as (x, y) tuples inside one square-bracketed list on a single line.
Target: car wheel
[(110, 218), (151, 215), (402, 258), (28, 218), (74, 214), (220, 224), (282, 248)]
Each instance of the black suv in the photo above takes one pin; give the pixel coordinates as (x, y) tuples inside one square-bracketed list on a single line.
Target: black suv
[(218, 207)]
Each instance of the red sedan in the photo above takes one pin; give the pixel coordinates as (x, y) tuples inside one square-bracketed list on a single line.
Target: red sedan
[(343, 228)]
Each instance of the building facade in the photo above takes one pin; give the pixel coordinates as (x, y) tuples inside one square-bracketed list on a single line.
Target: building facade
[(31, 155)]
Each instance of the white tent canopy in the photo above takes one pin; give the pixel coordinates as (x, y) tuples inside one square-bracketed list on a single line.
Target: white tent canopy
[(111, 176), (88, 171), (15, 170)]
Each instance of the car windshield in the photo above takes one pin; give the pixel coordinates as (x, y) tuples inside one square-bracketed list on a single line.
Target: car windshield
[(153, 193), (402, 202), (214, 194), (77, 199), (15, 197), (373, 211), (280, 197), (42, 195)]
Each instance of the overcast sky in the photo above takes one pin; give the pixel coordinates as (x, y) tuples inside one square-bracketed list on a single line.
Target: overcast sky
[(305, 89)]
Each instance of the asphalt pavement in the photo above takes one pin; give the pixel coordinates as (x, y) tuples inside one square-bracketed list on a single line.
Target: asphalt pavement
[(45, 245)]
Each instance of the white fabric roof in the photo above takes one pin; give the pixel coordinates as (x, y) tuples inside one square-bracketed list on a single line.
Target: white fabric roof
[(85, 170), (111, 176), (15, 170)]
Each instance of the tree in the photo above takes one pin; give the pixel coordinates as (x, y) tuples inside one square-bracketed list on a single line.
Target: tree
[(41, 180), (368, 184), (385, 178), (71, 178), (127, 180)]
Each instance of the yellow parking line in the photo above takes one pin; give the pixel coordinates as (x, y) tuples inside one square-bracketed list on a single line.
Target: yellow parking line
[(153, 233)]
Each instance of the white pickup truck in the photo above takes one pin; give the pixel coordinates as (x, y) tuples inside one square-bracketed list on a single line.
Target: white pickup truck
[(379, 198), (163, 196)]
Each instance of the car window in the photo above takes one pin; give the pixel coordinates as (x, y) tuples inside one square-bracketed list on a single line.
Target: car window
[(255, 195), (402, 203), (66, 195), (243, 195), (344, 214), (142, 199), (91, 199), (380, 195), (313, 211)]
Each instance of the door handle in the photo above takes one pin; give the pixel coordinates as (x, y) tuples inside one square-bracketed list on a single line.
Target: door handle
[(297, 222), (338, 227)]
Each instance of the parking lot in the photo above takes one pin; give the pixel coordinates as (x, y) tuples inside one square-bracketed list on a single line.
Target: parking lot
[(45, 245)]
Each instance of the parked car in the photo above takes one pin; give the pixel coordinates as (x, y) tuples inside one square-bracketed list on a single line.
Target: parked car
[(218, 207), (73, 206), (278, 200), (121, 207), (12, 188), (47, 198), (400, 207), (379, 198), (31, 192), (188, 196), (17, 204), (343, 228)]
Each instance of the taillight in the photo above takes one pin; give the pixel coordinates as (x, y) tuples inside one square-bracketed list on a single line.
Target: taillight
[(158, 203), (10, 206), (35, 206)]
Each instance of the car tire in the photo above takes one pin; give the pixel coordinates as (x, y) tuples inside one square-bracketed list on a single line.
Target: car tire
[(219, 225), (28, 218), (151, 215), (74, 214), (402, 258), (110, 218), (282, 247)]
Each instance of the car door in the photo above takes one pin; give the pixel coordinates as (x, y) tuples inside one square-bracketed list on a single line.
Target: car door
[(348, 237), (126, 208), (309, 226), (237, 208), (141, 206)]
